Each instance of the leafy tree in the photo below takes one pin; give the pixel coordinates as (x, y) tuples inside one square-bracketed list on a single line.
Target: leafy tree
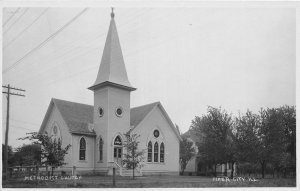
[(247, 142), (231, 154), (288, 116), (215, 129), (270, 137), (10, 156), (28, 155), (187, 151), (133, 156), (52, 152)]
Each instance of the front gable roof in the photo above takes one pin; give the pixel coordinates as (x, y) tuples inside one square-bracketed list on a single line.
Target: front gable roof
[(77, 116), (150, 107)]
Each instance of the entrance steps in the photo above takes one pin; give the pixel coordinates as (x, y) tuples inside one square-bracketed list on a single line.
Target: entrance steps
[(128, 172)]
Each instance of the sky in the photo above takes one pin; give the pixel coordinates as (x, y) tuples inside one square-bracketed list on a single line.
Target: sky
[(186, 58)]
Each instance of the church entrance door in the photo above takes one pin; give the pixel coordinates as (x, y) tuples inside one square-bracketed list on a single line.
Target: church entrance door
[(118, 150), (118, 155)]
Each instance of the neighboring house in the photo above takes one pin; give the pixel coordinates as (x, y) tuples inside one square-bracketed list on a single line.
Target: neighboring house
[(96, 132), (197, 167)]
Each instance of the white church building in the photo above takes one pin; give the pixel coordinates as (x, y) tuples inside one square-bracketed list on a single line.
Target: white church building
[(96, 132)]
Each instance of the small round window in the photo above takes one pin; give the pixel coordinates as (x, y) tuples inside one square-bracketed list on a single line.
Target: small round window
[(119, 111), (101, 111), (156, 133)]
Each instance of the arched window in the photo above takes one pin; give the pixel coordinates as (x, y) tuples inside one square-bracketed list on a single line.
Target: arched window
[(118, 147), (118, 141), (82, 149), (162, 152), (101, 149), (150, 151), (156, 152)]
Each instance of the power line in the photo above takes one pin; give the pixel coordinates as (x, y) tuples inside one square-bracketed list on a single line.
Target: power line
[(45, 41), (93, 39), (23, 128), (127, 55), (20, 121), (85, 52), (26, 28), (15, 21), (12, 15)]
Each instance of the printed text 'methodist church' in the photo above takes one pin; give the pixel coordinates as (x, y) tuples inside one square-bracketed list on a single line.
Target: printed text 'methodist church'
[(96, 133)]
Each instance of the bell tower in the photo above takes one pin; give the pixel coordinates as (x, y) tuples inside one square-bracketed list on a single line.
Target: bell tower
[(111, 97)]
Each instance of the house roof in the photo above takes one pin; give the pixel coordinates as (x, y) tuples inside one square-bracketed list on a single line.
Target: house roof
[(192, 134), (76, 115), (79, 117)]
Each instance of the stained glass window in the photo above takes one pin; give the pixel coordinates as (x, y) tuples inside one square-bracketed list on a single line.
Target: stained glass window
[(156, 152), (162, 152), (150, 151), (118, 141), (100, 149)]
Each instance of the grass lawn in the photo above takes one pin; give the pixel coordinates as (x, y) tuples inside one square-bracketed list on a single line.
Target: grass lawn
[(152, 182)]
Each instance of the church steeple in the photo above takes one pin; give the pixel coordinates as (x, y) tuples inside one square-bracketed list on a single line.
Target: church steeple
[(112, 69)]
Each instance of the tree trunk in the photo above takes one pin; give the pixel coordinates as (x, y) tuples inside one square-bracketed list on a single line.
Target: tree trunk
[(52, 170), (232, 169), (215, 170), (133, 171), (225, 170), (182, 168), (133, 164), (263, 169), (182, 172)]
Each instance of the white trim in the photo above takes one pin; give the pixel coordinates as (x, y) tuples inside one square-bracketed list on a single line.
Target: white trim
[(114, 137), (119, 107), (146, 117), (166, 117), (47, 116), (170, 122)]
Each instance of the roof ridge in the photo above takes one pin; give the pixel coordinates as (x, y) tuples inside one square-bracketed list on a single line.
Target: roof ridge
[(154, 103), (56, 99)]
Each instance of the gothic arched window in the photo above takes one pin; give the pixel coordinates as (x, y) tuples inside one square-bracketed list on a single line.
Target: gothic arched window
[(118, 141), (101, 149), (150, 151), (162, 152), (82, 148), (156, 152)]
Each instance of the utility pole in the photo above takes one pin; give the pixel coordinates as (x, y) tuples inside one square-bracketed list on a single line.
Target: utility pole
[(9, 88)]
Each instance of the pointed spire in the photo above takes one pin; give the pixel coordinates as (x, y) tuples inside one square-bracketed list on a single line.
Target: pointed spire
[(112, 13), (112, 69)]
